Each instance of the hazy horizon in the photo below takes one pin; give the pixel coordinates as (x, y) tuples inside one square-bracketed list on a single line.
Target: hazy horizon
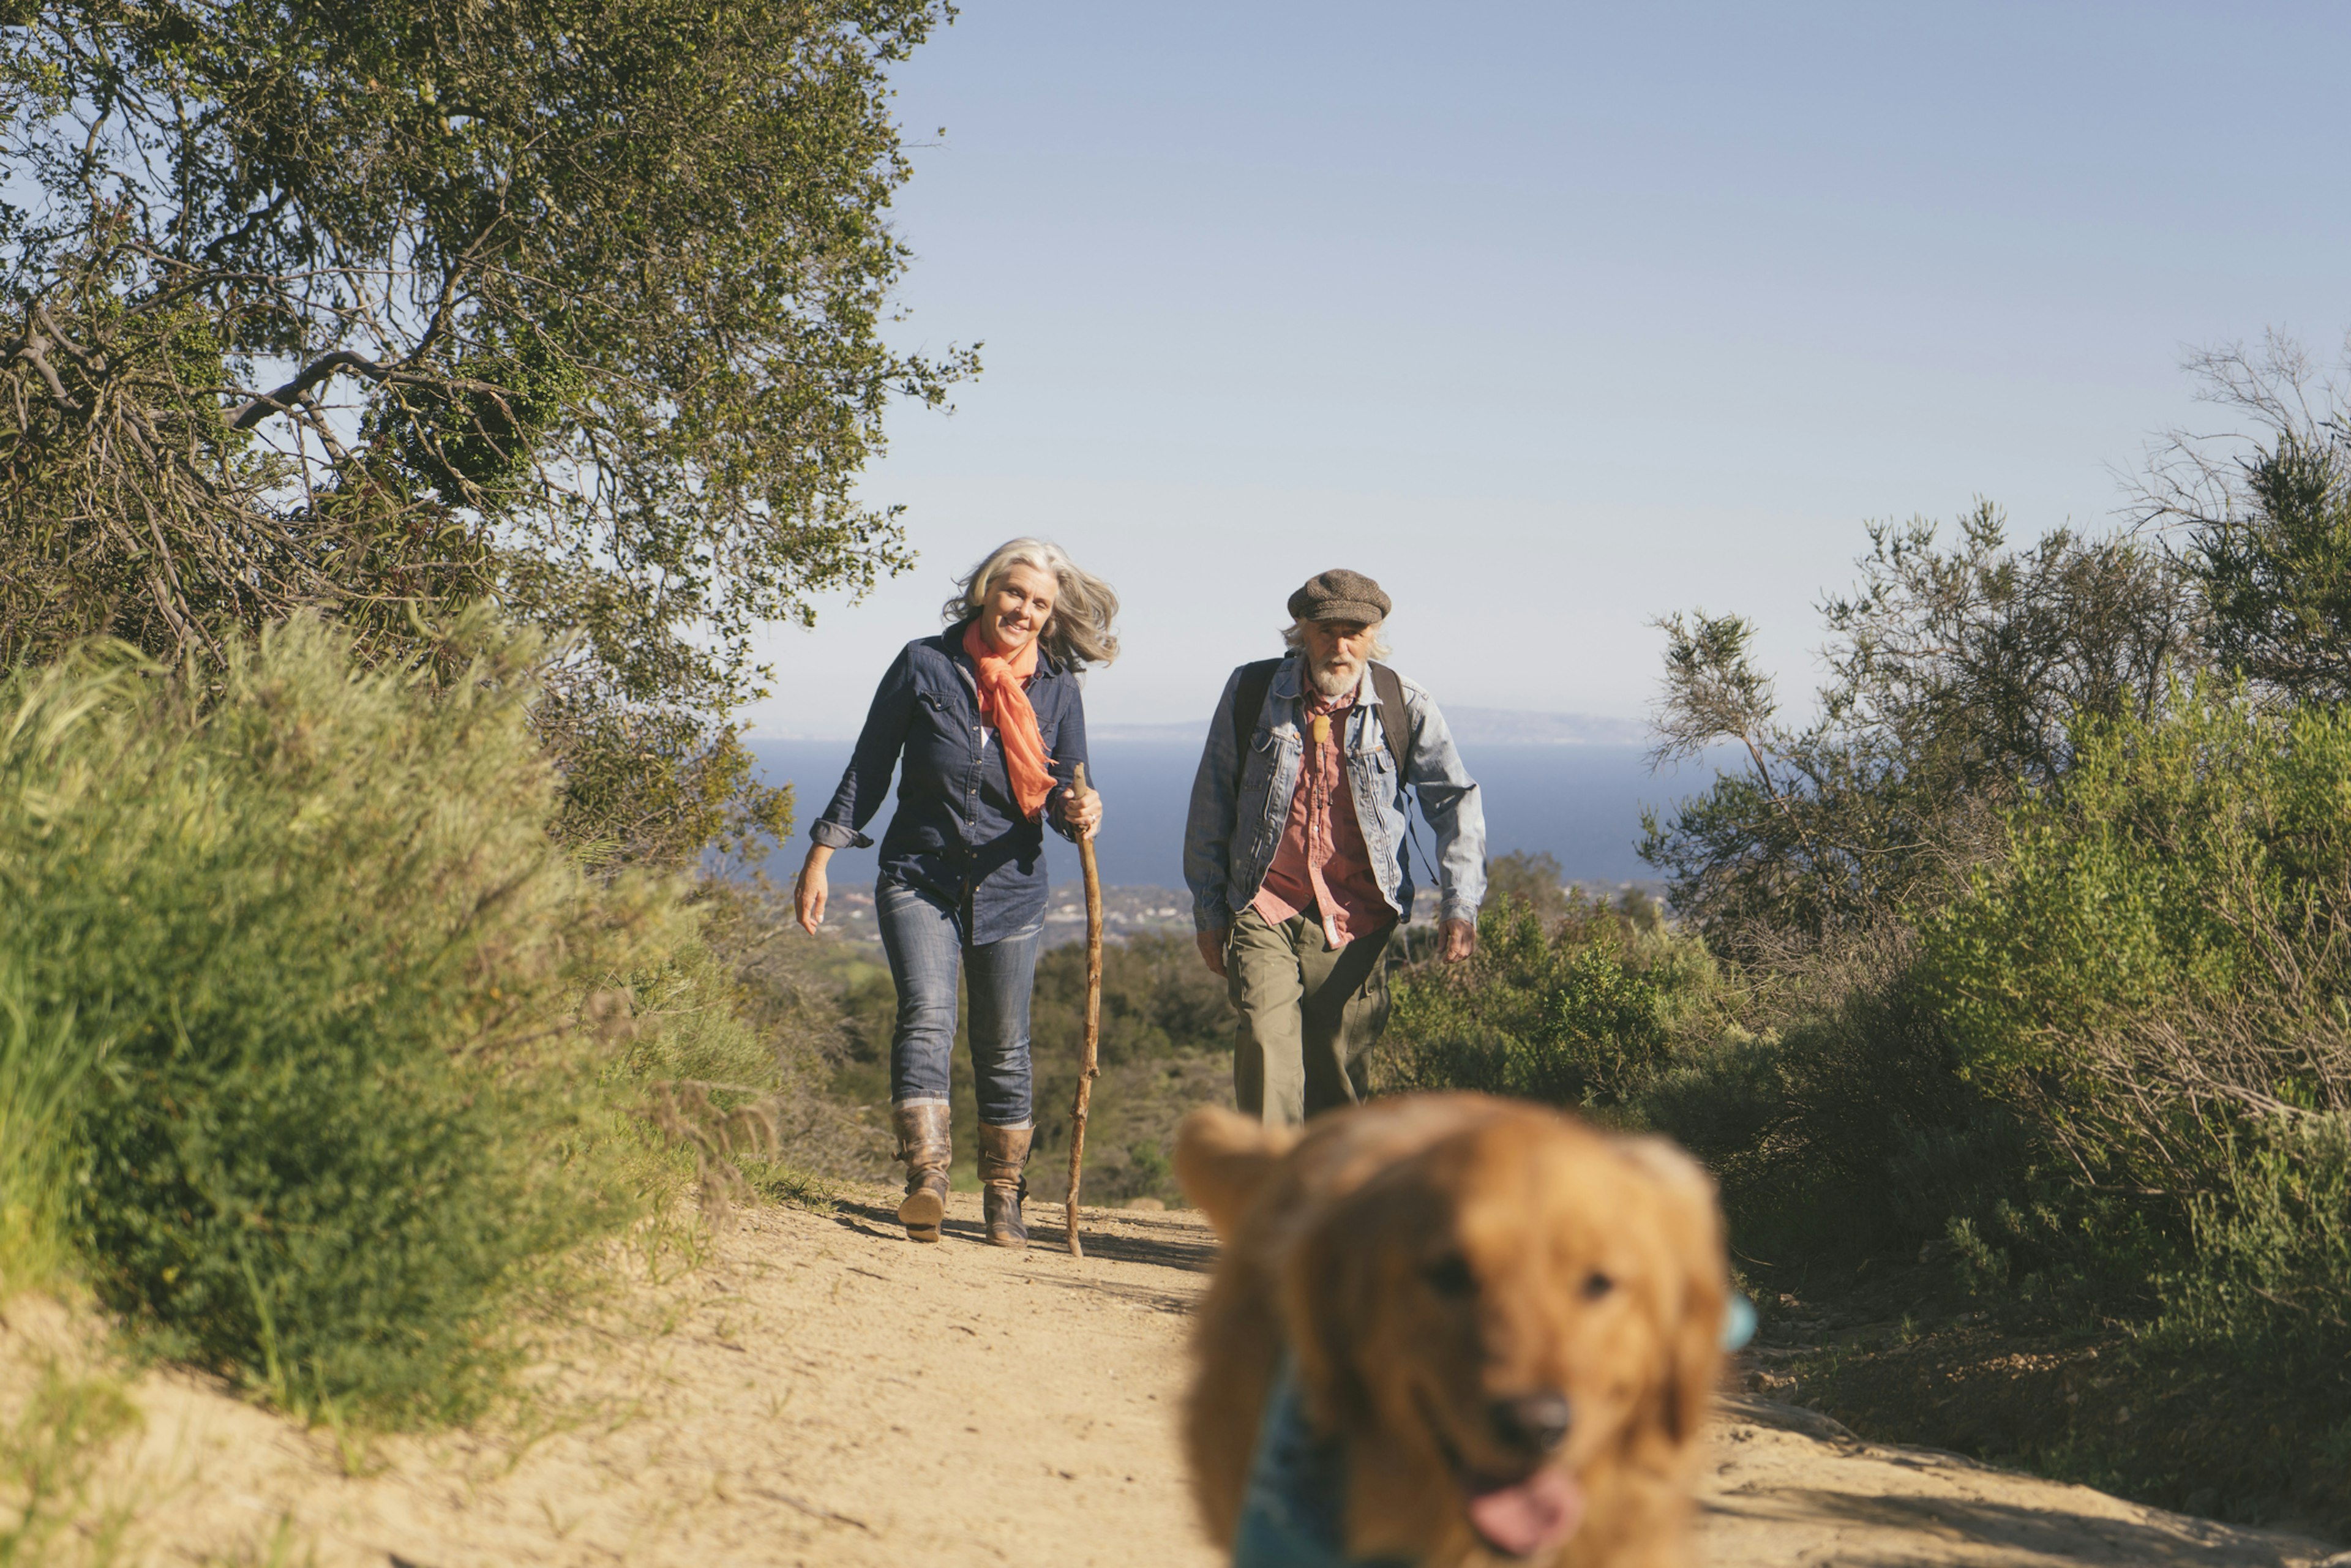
[(1580, 804), (1468, 723)]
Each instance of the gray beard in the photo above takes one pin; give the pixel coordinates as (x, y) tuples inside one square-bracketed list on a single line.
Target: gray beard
[(1331, 682)]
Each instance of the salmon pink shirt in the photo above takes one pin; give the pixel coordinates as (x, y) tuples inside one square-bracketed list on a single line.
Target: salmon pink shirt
[(1321, 863)]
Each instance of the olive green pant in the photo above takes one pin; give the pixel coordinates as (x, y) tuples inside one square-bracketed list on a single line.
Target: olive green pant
[(1310, 1012)]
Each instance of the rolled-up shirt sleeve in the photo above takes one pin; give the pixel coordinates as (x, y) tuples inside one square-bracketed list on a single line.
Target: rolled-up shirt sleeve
[(1449, 799), (865, 784)]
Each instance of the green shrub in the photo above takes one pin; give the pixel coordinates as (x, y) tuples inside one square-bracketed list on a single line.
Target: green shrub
[(738, 1035), (1553, 1015), (2273, 1238), (2155, 980), (310, 926), (1825, 1101)]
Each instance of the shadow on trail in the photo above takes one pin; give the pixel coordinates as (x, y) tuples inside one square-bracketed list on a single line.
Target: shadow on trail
[(1122, 1235), (1138, 1239), (1948, 1529), (877, 1220)]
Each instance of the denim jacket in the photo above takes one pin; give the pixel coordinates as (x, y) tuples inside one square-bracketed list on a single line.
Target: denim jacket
[(956, 831), (1238, 813)]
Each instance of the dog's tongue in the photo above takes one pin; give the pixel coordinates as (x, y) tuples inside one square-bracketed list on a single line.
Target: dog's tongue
[(1534, 1515)]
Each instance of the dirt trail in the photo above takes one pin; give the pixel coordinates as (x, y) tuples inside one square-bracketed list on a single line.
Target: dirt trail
[(822, 1392)]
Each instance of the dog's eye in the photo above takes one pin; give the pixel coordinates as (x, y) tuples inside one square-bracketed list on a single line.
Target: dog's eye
[(1450, 1276), (1596, 1285)]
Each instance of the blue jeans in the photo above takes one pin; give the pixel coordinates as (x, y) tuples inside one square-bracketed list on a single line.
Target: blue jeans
[(926, 941)]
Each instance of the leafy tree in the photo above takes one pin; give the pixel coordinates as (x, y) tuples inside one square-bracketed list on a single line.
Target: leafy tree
[(352, 307), (1957, 676), (2267, 515)]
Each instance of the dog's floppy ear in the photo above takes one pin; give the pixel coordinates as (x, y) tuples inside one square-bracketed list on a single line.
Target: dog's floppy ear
[(1694, 1241), (1222, 1158)]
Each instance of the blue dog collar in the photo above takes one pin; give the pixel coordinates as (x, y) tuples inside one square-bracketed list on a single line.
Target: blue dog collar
[(1739, 1322)]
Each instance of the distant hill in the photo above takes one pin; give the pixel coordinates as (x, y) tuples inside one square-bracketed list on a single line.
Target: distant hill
[(1471, 726)]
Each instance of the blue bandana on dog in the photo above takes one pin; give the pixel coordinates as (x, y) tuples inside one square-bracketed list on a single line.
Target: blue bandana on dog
[(1294, 1514)]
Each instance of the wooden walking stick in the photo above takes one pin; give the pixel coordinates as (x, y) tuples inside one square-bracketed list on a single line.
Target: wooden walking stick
[(1087, 1067)]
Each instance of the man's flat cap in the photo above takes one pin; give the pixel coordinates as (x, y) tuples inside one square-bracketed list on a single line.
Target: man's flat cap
[(1340, 595)]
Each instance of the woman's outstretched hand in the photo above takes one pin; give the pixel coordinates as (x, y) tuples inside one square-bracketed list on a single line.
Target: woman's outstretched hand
[(1082, 810), (809, 890)]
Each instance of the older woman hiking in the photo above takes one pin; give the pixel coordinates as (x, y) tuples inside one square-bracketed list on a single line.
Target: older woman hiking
[(989, 721)]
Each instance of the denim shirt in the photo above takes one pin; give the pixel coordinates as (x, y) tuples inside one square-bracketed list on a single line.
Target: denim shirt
[(1238, 813), (956, 831)]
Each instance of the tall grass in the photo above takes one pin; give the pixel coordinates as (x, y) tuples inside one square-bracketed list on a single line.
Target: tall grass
[(287, 1027), (44, 1064), (54, 1437)]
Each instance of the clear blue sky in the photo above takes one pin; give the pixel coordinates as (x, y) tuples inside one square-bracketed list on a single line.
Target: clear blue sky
[(1554, 318)]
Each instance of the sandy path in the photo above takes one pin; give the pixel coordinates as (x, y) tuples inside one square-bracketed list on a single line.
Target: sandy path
[(822, 1392)]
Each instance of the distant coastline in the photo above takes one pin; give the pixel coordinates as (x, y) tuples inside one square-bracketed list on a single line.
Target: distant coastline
[(1580, 802), (1127, 911), (1470, 726)]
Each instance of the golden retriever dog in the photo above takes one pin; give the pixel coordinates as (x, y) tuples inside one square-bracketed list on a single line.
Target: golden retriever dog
[(1499, 1325)]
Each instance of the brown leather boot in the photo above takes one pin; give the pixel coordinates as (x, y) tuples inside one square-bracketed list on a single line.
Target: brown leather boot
[(923, 1144), (1002, 1152)]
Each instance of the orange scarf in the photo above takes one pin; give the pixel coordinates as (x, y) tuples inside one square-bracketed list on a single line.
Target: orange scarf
[(1004, 705)]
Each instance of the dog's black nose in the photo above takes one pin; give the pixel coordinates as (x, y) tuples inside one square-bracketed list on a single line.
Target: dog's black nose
[(1532, 1423)]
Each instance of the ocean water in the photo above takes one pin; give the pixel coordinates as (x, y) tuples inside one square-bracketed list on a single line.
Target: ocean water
[(1581, 803)]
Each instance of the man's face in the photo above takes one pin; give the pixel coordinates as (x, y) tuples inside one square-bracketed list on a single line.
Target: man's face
[(1336, 651)]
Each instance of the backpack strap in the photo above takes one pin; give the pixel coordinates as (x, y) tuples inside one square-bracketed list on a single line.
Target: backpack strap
[(1249, 701), (1395, 723)]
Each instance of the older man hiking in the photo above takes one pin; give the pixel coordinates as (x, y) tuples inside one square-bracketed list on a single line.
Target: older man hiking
[(1295, 847)]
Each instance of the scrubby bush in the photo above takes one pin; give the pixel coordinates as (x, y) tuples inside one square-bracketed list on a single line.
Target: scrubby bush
[(1576, 1011), (1166, 1047), (2273, 1241), (314, 953), (1827, 1105), (2041, 951), (2156, 979), (739, 1035), (1532, 877)]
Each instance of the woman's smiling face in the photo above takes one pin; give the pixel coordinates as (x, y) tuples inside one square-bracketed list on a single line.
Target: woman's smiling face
[(1018, 604)]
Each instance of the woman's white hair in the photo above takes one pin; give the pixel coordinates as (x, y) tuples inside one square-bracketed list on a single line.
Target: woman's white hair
[(1078, 634), (1293, 637)]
